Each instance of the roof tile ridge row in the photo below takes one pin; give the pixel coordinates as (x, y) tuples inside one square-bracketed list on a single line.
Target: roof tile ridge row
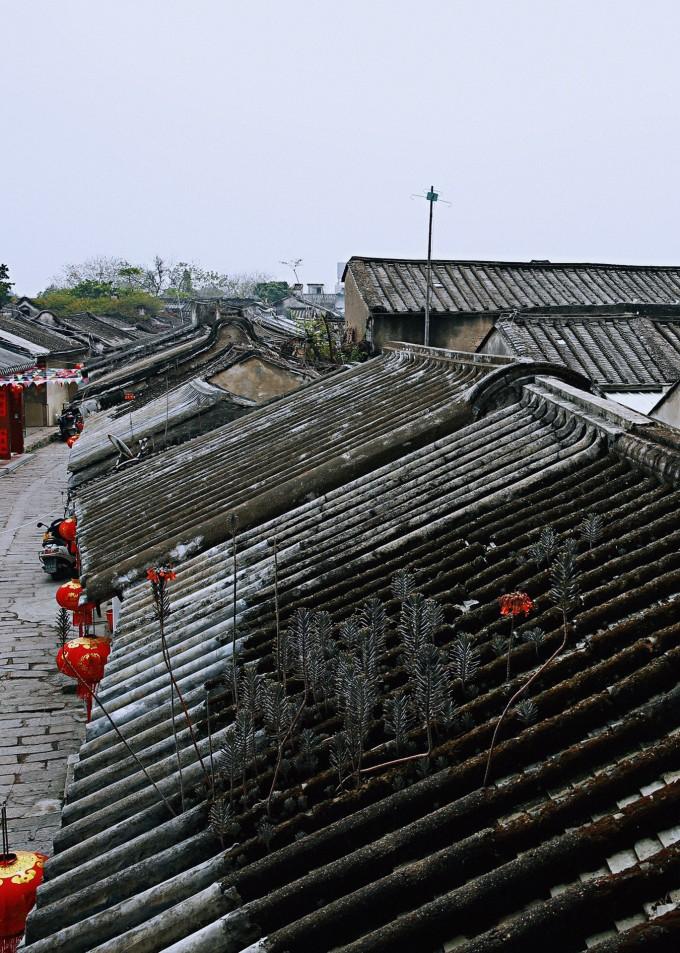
[(529, 265), (626, 431)]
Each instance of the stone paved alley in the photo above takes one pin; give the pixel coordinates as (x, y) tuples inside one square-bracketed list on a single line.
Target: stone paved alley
[(41, 722)]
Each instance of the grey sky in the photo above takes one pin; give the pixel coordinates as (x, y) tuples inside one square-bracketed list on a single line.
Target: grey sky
[(239, 133)]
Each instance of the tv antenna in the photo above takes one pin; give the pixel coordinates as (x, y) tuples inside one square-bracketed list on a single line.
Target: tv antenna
[(293, 264), (430, 197)]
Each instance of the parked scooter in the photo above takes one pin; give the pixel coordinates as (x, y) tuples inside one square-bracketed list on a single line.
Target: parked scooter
[(58, 555), (70, 422)]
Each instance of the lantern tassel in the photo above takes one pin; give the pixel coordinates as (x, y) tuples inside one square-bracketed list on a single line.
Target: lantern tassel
[(9, 944), (85, 692)]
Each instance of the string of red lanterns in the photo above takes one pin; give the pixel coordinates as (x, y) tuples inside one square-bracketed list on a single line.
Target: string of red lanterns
[(84, 657)]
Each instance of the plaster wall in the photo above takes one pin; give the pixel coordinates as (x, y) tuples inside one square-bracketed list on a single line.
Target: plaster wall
[(356, 310), (256, 380), (457, 332), (497, 346), (668, 411)]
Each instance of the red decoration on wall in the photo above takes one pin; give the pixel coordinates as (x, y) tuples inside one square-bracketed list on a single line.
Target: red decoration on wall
[(68, 595), (5, 452), (84, 659), (21, 872)]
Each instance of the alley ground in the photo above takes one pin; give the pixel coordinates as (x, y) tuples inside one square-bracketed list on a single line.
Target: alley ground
[(41, 723)]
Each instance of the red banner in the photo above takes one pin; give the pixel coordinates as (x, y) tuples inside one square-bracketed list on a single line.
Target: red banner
[(5, 452)]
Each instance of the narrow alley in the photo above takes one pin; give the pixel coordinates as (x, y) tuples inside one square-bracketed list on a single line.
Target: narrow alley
[(41, 723)]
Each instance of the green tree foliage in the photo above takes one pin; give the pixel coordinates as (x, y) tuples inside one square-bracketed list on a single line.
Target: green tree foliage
[(5, 284), (271, 292), (121, 303)]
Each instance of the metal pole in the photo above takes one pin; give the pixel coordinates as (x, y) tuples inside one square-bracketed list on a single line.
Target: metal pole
[(429, 270)]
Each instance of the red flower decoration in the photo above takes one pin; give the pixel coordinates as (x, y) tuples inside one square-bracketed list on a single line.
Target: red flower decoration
[(159, 573), (515, 603)]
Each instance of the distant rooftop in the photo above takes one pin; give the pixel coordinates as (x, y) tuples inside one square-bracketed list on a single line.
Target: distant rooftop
[(396, 285)]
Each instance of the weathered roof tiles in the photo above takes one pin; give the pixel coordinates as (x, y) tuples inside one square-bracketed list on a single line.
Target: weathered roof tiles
[(610, 350), (240, 380), (277, 456), (574, 840), (390, 285)]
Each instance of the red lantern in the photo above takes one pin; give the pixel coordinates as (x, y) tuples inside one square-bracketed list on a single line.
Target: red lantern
[(21, 872), (84, 659), (16, 389), (71, 441), (67, 529), (68, 595)]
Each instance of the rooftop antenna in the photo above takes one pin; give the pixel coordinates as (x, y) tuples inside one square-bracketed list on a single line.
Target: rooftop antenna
[(293, 264), (430, 197)]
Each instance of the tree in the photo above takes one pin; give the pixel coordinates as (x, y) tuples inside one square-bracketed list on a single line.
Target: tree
[(126, 304), (100, 268), (271, 292), (5, 284)]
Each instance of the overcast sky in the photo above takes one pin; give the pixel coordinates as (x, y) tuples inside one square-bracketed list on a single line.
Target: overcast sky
[(235, 133)]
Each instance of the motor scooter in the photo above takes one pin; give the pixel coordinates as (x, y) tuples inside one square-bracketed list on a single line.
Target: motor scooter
[(70, 422), (58, 555)]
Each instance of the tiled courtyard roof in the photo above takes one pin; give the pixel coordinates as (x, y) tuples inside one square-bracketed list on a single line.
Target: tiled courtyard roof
[(179, 413), (278, 455), (573, 845), (36, 334), (108, 330), (398, 285), (627, 350)]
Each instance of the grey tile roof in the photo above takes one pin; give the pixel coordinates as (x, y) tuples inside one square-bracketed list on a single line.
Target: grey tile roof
[(140, 363), (185, 411), (110, 331), (588, 790), (398, 286), (181, 354), (610, 350), (11, 361), (37, 334), (272, 456)]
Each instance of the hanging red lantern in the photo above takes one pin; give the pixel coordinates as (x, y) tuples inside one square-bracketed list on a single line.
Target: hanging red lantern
[(71, 441), (84, 659), (68, 595), (67, 529), (21, 872)]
